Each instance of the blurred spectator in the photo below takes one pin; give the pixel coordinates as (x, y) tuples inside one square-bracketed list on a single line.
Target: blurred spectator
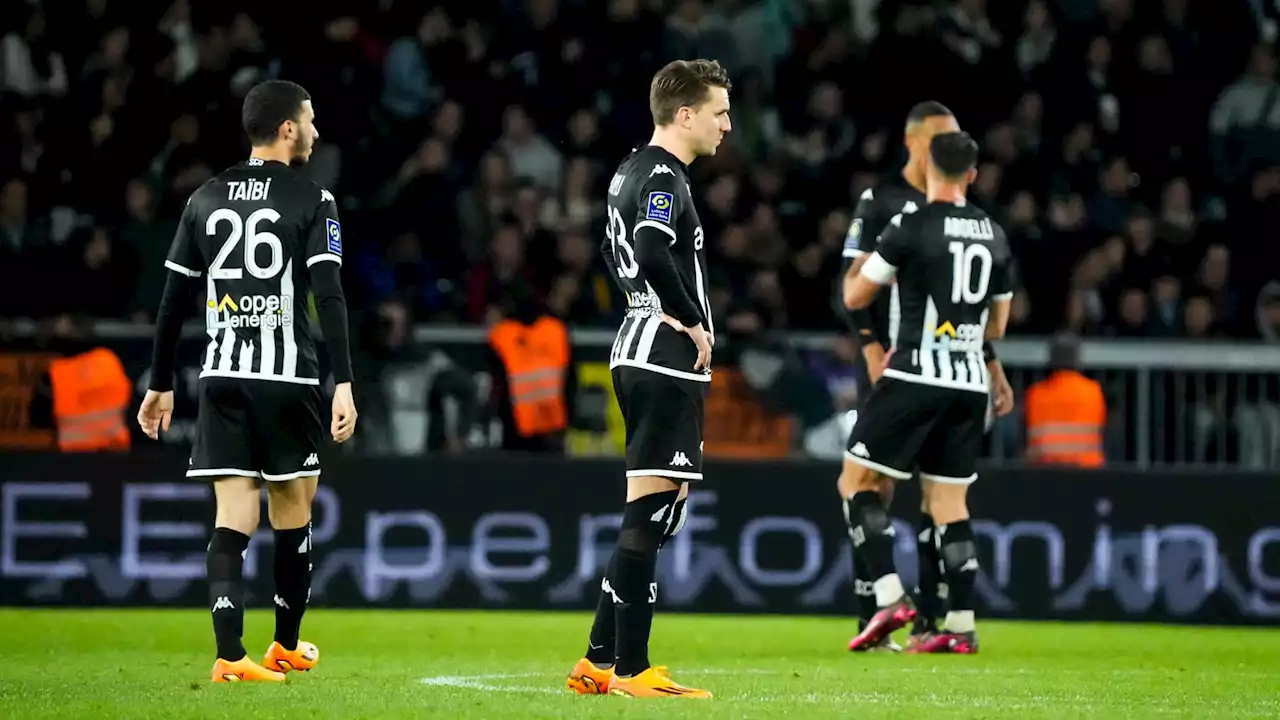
[(532, 155), (30, 65), (1245, 123)]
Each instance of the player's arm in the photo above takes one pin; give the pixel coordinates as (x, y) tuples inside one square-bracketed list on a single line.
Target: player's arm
[(611, 262), (324, 265), (1001, 298), (879, 268), (186, 267), (858, 246), (654, 234)]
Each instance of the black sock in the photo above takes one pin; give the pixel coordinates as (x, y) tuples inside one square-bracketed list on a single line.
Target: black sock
[(631, 580), (293, 583), (872, 534), (224, 562), (960, 560), (864, 595), (601, 647), (927, 600)]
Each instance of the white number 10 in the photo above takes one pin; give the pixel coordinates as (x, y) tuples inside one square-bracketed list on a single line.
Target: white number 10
[(962, 280), (252, 239)]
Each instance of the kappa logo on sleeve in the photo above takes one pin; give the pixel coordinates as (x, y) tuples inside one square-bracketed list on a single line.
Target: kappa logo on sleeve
[(659, 206)]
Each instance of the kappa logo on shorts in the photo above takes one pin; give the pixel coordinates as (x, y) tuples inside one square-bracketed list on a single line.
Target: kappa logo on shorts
[(680, 460), (311, 461)]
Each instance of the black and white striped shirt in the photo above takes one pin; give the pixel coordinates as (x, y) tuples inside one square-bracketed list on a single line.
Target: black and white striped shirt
[(654, 247), (252, 232), (950, 262)]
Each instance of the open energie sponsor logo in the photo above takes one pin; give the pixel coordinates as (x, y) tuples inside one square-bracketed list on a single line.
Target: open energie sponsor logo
[(251, 311)]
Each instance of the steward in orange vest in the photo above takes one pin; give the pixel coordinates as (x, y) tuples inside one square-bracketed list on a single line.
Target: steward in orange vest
[(530, 380), (91, 394), (1066, 413)]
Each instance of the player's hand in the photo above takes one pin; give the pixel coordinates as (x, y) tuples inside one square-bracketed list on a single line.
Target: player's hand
[(702, 340), (344, 413), (877, 360), (1001, 390), (156, 413)]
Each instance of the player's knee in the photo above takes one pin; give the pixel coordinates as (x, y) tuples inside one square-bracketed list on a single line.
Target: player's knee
[(238, 504), (289, 503), (870, 515), (959, 551), (855, 478), (947, 503), (646, 521)]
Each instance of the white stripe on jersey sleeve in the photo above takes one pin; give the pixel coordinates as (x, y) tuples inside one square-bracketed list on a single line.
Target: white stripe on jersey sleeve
[(1003, 296), (323, 257), (179, 269), (878, 270), (649, 223)]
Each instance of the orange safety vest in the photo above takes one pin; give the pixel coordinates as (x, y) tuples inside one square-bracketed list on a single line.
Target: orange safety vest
[(91, 394), (536, 358), (1065, 414)]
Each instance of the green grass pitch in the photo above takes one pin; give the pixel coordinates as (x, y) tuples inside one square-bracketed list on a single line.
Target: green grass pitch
[(121, 664)]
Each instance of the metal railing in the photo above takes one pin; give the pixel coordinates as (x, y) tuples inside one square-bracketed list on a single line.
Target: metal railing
[(1169, 402)]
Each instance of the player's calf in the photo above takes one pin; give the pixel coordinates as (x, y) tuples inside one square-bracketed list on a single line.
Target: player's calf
[(630, 581), (872, 533), (236, 517), (289, 509), (959, 554)]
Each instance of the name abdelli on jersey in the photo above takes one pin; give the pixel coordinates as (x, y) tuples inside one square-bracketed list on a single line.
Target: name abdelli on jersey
[(950, 261), (252, 231), (650, 193)]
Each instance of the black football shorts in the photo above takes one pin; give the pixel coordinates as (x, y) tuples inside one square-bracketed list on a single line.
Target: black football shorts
[(257, 428), (664, 417), (906, 425)]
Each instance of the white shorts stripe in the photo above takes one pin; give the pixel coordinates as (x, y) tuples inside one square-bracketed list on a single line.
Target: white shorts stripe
[(290, 476), (224, 472), (949, 480), (676, 474), (882, 469)]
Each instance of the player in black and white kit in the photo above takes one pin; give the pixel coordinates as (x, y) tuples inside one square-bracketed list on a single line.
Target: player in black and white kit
[(258, 238), (661, 362), (951, 263), (875, 327)]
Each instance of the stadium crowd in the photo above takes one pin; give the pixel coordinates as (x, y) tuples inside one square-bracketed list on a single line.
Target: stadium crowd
[(1131, 149)]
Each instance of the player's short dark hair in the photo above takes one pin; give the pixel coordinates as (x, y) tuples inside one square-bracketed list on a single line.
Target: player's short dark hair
[(683, 83), (268, 105), (927, 109), (953, 153)]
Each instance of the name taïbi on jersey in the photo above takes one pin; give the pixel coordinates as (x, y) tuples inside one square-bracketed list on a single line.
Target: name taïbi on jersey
[(248, 189), (250, 311)]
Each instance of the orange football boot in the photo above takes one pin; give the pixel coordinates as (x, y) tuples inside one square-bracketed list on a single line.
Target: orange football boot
[(243, 669), (654, 683), (302, 659), (587, 679)]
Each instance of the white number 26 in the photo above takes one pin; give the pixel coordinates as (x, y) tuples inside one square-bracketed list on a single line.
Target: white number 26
[(248, 228)]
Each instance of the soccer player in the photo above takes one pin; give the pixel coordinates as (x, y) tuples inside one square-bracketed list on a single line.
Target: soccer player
[(951, 263), (259, 237), (902, 193), (661, 363)]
